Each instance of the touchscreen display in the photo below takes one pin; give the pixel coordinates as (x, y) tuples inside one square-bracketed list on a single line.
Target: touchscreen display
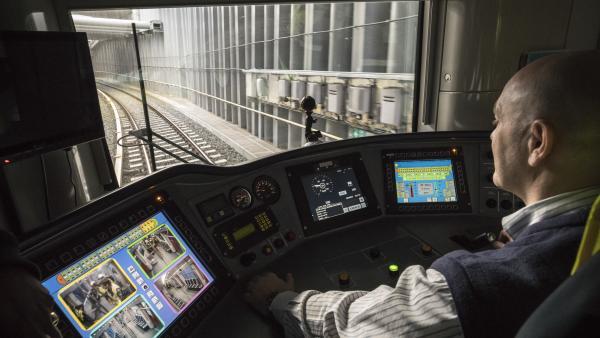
[(332, 192), (424, 181), (134, 286)]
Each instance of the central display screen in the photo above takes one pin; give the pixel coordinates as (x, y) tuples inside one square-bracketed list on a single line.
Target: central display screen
[(424, 181), (332, 192), (134, 286)]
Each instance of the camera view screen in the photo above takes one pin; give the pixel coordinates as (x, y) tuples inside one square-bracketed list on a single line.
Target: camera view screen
[(332, 192), (135, 286), (424, 181)]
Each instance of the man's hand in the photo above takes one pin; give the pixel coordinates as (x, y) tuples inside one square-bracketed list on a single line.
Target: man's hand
[(26, 306), (261, 290), (502, 239)]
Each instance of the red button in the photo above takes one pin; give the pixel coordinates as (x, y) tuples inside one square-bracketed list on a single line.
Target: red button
[(290, 236)]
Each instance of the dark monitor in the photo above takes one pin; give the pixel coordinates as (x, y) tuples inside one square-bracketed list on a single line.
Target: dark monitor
[(48, 96)]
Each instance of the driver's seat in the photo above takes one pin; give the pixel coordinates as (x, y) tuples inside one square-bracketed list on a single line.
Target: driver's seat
[(573, 309)]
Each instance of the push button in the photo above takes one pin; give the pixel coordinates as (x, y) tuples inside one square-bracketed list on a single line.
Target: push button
[(426, 249), (290, 236), (491, 203), (343, 279)]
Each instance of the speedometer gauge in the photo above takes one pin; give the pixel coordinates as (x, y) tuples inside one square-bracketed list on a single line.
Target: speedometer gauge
[(266, 189), (240, 198)]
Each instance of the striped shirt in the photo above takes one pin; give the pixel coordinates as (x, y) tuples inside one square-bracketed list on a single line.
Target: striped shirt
[(420, 305), (547, 208)]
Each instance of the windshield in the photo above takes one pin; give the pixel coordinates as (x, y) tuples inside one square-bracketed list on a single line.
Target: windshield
[(224, 84)]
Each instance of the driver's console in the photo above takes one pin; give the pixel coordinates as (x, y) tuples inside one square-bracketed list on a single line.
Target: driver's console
[(169, 254)]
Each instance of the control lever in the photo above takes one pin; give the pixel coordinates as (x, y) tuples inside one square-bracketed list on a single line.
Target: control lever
[(475, 242)]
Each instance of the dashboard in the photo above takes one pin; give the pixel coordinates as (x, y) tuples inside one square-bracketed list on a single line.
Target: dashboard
[(169, 255)]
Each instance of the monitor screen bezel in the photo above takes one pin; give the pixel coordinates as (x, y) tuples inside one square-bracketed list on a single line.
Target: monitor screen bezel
[(312, 227), (74, 133), (78, 241), (454, 154)]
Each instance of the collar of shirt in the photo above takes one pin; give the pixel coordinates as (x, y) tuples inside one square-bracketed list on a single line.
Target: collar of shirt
[(547, 208)]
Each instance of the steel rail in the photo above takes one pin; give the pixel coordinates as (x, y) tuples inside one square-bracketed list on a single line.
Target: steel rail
[(135, 126), (331, 136), (199, 152), (119, 153)]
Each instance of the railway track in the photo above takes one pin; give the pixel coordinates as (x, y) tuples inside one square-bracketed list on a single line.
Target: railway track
[(136, 158), (132, 161)]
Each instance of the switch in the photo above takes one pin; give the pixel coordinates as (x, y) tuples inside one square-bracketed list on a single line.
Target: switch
[(247, 259), (279, 243), (344, 278), (267, 250), (426, 249), (290, 236), (491, 203)]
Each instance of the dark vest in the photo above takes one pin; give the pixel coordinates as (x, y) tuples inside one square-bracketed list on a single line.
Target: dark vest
[(495, 291)]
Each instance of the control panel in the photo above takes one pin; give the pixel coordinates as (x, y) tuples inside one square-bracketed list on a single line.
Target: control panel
[(342, 215), (241, 233), (147, 265)]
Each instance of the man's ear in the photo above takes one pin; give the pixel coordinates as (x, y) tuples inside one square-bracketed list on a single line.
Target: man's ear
[(540, 143)]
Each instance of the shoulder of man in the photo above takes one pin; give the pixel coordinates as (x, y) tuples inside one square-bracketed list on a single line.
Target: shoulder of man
[(509, 283)]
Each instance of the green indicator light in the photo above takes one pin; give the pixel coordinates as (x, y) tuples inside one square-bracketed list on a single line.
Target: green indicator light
[(393, 268)]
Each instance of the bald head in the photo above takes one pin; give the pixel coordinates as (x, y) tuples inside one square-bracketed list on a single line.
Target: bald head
[(563, 89), (548, 126)]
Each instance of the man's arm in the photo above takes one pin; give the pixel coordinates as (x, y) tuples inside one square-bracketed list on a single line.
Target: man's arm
[(420, 305)]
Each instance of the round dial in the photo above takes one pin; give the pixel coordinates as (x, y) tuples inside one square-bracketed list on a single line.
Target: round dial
[(266, 189), (240, 198), (321, 184)]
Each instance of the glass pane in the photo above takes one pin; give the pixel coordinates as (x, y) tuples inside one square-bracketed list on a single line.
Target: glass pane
[(230, 79)]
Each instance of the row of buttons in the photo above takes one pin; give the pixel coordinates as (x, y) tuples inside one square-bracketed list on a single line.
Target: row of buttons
[(250, 257), (461, 177), (428, 207), (94, 242), (392, 268)]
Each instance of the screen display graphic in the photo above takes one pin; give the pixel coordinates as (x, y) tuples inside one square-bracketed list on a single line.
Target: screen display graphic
[(332, 192), (424, 181), (134, 286)]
